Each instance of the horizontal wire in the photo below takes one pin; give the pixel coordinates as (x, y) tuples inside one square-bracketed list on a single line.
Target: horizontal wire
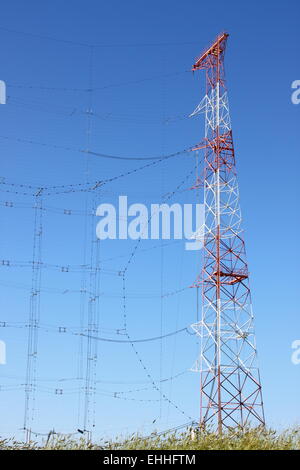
[(64, 269), (70, 330), (67, 379), (144, 340), (96, 184), (98, 154), (92, 45), (104, 116), (75, 390), (104, 294)]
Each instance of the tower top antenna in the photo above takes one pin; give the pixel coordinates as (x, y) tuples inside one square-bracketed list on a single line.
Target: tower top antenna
[(218, 46)]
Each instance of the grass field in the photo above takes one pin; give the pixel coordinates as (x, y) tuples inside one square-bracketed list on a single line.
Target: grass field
[(253, 439)]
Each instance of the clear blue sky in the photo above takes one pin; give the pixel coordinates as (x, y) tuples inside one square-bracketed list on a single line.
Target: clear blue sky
[(142, 93)]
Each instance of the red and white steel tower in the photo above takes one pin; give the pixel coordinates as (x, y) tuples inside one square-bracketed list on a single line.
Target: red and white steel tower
[(230, 382)]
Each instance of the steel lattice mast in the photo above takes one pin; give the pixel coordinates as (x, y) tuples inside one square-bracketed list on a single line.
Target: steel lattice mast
[(230, 382)]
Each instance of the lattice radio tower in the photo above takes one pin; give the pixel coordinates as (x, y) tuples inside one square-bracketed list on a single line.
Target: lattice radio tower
[(230, 387)]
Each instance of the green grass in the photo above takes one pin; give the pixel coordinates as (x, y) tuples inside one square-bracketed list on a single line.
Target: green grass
[(252, 439)]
